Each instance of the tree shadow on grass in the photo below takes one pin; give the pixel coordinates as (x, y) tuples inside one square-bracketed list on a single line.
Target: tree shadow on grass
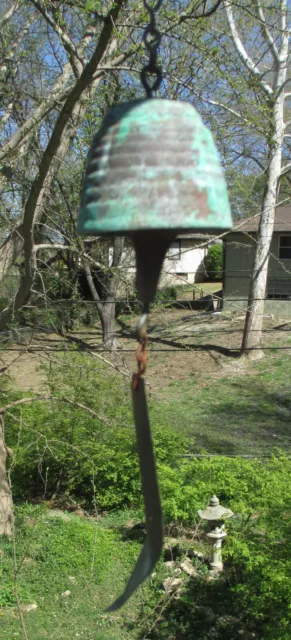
[(251, 419), (203, 610), (127, 332), (136, 533), (241, 415)]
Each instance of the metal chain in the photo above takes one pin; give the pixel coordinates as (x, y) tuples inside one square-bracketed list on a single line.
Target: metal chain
[(152, 39)]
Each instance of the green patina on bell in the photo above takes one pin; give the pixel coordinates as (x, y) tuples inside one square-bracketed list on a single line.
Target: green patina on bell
[(153, 166)]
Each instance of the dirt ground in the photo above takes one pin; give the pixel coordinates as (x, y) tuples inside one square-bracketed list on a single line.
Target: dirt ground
[(181, 343)]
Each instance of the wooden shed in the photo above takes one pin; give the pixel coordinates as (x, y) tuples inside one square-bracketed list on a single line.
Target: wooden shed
[(238, 254)]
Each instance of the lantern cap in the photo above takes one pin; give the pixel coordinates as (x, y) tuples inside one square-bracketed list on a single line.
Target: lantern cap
[(214, 510), (153, 166)]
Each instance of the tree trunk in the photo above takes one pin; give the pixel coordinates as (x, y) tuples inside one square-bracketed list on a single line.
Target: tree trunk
[(6, 507), (107, 317), (106, 310), (106, 307), (10, 250), (254, 316)]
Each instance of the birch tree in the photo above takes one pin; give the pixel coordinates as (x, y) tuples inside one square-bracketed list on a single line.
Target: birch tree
[(241, 89), (251, 102), (6, 508), (271, 73)]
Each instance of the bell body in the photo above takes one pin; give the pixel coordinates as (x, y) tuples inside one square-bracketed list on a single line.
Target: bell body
[(153, 165)]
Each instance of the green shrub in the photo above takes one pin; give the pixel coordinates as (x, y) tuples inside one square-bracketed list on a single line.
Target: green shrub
[(133, 305), (252, 598), (62, 449), (213, 263), (96, 468), (166, 294)]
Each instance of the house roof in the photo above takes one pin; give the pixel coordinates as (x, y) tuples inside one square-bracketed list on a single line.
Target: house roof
[(194, 236), (282, 222), (183, 236)]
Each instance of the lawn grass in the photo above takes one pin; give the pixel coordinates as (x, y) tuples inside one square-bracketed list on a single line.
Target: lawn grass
[(185, 291), (54, 555), (55, 552), (244, 413)]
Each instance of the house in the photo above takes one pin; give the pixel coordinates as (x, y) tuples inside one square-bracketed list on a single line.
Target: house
[(238, 256), (184, 262)]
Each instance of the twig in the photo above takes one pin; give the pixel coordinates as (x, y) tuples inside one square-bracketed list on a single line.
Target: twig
[(48, 399), (110, 364)]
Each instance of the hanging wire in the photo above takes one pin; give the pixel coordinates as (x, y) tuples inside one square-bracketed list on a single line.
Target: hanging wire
[(152, 40)]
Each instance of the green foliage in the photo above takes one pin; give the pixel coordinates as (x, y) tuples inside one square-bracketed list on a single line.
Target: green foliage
[(50, 549), (252, 599), (245, 486), (63, 449), (133, 305), (166, 294), (213, 263)]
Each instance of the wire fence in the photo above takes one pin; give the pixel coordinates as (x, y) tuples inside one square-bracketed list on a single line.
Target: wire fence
[(48, 315)]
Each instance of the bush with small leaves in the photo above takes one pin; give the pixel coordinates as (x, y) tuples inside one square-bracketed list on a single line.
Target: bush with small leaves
[(213, 263)]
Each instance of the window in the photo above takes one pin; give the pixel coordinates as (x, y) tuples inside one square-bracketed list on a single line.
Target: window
[(174, 252), (279, 289), (285, 248)]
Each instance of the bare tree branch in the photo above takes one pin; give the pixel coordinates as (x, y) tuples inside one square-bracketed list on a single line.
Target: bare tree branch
[(76, 61), (245, 58), (286, 169), (217, 103), (266, 32), (70, 113), (79, 405), (13, 46), (58, 94), (9, 13)]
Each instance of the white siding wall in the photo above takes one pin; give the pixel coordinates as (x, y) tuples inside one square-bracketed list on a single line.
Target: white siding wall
[(190, 263)]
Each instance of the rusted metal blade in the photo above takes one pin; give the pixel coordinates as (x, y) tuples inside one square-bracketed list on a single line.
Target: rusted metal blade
[(153, 545)]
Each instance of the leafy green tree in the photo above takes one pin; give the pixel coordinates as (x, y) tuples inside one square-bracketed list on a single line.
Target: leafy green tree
[(213, 263)]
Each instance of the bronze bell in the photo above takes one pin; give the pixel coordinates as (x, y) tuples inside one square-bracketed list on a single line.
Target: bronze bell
[(153, 172)]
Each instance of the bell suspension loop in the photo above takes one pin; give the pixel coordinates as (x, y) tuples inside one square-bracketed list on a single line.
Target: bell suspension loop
[(152, 41)]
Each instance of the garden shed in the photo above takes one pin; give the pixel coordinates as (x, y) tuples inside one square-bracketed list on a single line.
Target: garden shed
[(238, 253)]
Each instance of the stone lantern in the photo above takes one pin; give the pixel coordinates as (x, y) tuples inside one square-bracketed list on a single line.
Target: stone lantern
[(213, 513)]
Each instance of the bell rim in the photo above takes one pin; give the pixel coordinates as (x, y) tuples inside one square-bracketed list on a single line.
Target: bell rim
[(173, 230)]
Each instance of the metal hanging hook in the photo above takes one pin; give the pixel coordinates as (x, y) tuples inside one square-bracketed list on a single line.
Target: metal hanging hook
[(152, 40)]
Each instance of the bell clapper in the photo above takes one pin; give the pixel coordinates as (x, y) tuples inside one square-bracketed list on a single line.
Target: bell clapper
[(153, 545), (141, 354)]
